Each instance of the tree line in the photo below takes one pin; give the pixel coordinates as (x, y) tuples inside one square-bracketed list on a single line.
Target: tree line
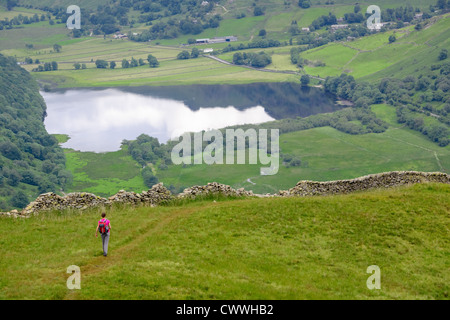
[(111, 17), (256, 60), (415, 99), (31, 161), (133, 63)]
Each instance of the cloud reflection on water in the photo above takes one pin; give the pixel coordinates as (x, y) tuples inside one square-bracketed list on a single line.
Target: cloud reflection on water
[(99, 120)]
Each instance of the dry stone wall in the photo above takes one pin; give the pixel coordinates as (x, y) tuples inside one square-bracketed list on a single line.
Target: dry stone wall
[(158, 194), (373, 181)]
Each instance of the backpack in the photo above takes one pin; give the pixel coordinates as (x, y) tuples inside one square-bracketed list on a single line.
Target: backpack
[(103, 226)]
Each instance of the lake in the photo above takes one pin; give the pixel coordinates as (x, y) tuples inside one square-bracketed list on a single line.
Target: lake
[(99, 120)]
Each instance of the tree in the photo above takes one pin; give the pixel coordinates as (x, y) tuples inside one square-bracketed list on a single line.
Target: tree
[(259, 60), (443, 54), (305, 4), (10, 4), (183, 55), (304, 80), (101, 64), (47, 66), (149, 178), (57, 47), (195, 53), (10, 150), (258, 11), (262, 33), (357, 8), (392, 39), (112, 65), (76, 33), (418, 27), (77, 66), (125, 64), (134, 63), (54, 65), (141, 62), (83, 66), (19, 200), (441, 4), (152, 61), (237, 58)]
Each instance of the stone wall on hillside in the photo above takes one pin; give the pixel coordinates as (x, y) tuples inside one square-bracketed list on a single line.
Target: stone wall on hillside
[(158, 194), (373, 181)]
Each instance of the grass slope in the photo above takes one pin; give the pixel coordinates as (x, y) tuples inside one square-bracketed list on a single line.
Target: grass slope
[(297, 248), (373, 58), (103, 173), (370, 58), (326, 154)]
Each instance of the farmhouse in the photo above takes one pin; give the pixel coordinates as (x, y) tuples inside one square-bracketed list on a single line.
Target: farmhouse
[(305, 29), (378, 26), (206, 40), (209, 50), (217, 40), (120, 36), (339, 26)]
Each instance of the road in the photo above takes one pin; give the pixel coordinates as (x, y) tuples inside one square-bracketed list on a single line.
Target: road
[(260, 69)]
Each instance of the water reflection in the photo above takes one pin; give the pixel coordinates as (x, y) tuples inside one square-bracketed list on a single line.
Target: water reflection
[(98, 120)]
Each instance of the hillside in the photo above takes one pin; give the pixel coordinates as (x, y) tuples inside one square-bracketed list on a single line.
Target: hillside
[(31, 162), (368, 104), (275, 248), (370, 57)]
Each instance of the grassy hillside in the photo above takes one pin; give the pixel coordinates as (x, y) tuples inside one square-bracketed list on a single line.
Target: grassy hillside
[(370, 58), (297, 248), (103, 174), (64, 3), (373, 58), (31, 161), (325, 154)]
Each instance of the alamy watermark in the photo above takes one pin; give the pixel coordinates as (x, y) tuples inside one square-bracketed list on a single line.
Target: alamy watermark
[(74, 281), (374, 21), (374, 281), (74, 21), (190, 149)]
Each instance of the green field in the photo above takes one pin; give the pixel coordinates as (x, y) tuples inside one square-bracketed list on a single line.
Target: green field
[(369, 58), (297, 248), (373, 58), (218, 248), (332, 155), (17, 11), (65, 3), (103, 174), (326, 154)]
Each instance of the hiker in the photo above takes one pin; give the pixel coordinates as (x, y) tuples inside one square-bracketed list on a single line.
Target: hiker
[(104, 227)]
